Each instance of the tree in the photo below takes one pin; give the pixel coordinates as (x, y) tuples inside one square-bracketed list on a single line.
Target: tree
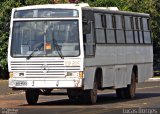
[(105, 3), (5, 13), (37, 2), (151, 7)]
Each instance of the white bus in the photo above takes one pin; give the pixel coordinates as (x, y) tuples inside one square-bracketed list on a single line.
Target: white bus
[(79, 48)]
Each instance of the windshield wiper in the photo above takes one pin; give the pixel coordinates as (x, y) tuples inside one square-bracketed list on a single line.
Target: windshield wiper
[(57, 48), (36, 47)]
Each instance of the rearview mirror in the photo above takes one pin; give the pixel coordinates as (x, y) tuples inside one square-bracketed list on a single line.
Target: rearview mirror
[(86, 27)]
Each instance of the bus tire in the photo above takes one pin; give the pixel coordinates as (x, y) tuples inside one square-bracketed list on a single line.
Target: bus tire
[(73, 94), (130, 90), (32, 96), (90, 96), (120, 93)]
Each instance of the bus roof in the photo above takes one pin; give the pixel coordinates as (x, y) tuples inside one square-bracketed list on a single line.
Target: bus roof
[(84, 6), (63, 6), (108, 10)]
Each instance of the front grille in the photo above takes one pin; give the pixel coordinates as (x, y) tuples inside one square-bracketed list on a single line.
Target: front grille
[(42, 69)]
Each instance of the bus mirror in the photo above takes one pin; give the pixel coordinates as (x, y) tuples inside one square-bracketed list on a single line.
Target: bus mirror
[(86, 27)]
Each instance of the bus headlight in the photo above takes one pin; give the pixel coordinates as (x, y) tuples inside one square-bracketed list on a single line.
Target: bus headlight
[(16, 74), (11, 74), (81, 75), (74, 74)]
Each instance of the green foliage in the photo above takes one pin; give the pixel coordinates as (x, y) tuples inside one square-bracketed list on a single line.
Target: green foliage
[(36, 2), (106, 3), (152, 7), (5, 13)]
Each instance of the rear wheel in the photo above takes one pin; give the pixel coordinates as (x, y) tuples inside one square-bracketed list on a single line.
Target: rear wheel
[(130, 91), (32, 96)]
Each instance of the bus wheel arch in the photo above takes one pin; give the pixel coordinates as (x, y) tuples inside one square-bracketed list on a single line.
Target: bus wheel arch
[(90, 96), (135, 70), (99, 77), (130, 90)]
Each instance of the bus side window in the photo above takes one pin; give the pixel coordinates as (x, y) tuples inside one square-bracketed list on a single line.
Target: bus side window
[(110, 32), (86, 27), (88, 40), (146, 31), (129, 29), (140, 30), (136, 35), (119, 29)]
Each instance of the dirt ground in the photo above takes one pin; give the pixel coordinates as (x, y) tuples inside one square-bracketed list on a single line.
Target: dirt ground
[(5, 90)]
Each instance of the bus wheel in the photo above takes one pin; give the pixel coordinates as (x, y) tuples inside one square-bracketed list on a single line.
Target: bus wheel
[(120, 93), (90, 96), (32, 96), (73, 94), (131, 89)]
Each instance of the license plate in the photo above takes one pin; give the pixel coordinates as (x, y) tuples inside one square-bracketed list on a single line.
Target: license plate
[(21, 83)]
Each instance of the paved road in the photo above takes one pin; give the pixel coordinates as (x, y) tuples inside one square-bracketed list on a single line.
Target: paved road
[(147, 101)]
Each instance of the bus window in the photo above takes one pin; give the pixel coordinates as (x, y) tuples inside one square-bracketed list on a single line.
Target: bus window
[(135, 25), (140, 30), (98, 22), (103, 19), (100, 30), (100, 36), (110, 33), (119, 29), (88, 39), (146, 31), (129, 29), (86, 27)]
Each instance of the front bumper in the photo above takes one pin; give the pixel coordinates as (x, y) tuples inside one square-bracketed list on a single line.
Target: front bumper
[(45, 83)]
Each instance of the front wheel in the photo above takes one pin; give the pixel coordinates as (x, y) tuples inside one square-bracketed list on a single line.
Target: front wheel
[(32, 96), (90, 96), (120, 93), (73, 94)]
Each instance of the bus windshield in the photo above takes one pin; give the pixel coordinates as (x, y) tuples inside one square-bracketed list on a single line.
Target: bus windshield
[(45, 38)]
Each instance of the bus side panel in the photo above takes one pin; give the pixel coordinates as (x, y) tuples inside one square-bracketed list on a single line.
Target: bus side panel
[(120, 79), (130, 61), (120, 67), (145, 71), (89, 75), (108, 76), (105, 57), (129, 73), (144, 55)]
